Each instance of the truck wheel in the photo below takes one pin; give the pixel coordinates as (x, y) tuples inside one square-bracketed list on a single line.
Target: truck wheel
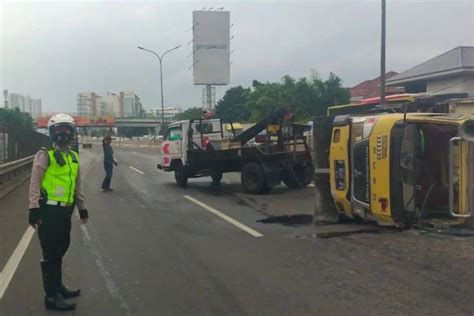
[(300, 177), (253, 178), (216, 177), (180, 175)]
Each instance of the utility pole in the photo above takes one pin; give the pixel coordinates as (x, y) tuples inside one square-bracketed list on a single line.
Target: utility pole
[(382, 58)]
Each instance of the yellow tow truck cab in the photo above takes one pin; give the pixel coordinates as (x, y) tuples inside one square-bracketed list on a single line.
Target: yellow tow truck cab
[(403, 168)]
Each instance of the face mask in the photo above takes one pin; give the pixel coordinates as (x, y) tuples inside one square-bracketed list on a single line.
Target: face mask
[(63, 139), (63, 135)]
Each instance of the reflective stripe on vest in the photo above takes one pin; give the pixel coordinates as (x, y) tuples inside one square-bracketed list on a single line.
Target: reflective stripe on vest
[(60, 181)]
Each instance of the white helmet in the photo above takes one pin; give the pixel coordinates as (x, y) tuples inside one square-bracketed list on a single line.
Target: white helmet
[(60, 119), (61, 128)]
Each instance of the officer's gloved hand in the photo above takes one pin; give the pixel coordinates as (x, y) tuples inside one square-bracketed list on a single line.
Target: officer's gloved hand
[(34, 218), (84, 215)]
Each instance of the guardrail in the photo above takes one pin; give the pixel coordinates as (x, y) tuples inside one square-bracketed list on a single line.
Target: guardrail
[(12, 173)]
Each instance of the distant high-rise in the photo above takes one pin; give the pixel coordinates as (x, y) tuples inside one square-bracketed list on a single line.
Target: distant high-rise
[(36, 108), (26, 104), (87, 104), (17, 101), (130, 105), (122, 104)]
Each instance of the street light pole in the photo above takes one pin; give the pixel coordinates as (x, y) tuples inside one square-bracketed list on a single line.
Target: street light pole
[(160, 59), (382, 58)]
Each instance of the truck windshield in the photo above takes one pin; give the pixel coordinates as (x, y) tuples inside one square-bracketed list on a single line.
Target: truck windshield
[(409, 166), (423, 167)]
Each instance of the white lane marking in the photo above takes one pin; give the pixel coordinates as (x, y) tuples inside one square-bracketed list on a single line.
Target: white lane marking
[(110, 284), (136, 170), (229, 219), (10, 268)]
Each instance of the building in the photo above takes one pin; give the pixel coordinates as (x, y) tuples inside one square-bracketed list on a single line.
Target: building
[(16, 101), (25, 104), (87, 104), (123, 104), (130, 105), (371, 88), (113, 104), (36, 109), (169, 112), (450, 72)]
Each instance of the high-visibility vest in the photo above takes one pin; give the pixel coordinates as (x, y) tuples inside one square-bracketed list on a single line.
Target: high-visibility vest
[(59, 182)]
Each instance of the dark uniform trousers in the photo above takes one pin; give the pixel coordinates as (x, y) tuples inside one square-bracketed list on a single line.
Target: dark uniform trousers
[(109, 168), (54, 235)]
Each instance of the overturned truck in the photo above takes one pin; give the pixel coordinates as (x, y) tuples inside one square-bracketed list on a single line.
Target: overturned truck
[(394, 167)]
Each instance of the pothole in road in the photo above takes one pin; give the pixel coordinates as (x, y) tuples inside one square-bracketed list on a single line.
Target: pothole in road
[(288, 220)]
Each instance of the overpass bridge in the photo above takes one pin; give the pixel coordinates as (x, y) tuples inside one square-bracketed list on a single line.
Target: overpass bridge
[(87, 122), (147, 123)]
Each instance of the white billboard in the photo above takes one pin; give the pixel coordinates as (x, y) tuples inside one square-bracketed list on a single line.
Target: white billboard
[(211, 47)]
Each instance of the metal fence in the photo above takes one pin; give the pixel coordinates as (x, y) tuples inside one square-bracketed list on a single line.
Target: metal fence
[(18, 143)]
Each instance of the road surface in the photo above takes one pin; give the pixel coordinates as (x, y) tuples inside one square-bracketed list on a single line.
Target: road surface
[(151, 248)]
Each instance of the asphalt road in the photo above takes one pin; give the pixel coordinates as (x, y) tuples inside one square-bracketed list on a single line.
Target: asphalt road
[(151, 248)]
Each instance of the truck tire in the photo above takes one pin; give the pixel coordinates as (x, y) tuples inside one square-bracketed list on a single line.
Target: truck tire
[(300, 177), (253, 178), (180, 175)]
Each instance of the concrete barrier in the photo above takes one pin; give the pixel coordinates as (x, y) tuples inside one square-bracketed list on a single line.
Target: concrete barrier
[(13, 174)]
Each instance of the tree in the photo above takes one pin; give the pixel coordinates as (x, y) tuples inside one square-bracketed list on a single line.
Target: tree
[(189, 114), (333, 94), (307, 97), (231, 108), (15, 118)]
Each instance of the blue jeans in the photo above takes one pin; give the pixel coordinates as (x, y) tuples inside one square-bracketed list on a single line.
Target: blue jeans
[(109, 167)]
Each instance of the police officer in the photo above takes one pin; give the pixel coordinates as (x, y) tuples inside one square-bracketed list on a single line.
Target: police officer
[(55, 189)]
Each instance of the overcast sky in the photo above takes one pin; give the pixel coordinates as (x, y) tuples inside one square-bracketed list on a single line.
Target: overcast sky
[(53, 50)]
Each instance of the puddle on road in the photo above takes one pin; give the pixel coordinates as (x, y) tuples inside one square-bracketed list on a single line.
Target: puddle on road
[(289, 220)]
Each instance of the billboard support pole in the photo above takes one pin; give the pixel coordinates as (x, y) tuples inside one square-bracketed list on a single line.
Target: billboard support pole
[(209, 97)]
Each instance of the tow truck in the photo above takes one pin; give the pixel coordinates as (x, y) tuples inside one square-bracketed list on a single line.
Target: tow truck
[(396, 167), (198, 148)]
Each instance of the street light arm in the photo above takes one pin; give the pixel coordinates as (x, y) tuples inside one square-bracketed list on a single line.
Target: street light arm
[(150, 51), (170, 50)]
